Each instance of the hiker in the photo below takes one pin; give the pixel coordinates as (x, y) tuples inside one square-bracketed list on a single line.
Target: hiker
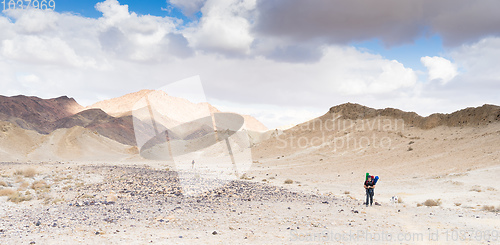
[(369, 186), (192, 164)]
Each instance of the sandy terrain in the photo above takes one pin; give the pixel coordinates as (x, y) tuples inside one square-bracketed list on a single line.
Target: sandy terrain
[(444, 163), (303, 185), (116, 203)]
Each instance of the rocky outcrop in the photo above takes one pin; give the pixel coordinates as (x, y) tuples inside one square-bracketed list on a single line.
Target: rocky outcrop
[(472, 116)]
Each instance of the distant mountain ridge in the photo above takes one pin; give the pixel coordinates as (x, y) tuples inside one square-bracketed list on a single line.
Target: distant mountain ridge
[(173, 107), (120, 129), (472, 116), (110, 118), (113, 118), (37, 114), (60, 129)]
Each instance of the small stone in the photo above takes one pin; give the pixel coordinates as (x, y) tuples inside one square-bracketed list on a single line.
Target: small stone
[(214, 233), (111, 198)]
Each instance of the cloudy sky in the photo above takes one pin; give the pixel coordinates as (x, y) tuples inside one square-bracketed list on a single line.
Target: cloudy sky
[(282, 61)]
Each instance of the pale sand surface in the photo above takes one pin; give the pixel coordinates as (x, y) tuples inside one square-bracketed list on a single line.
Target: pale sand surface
[(459, 166), (270, 217)]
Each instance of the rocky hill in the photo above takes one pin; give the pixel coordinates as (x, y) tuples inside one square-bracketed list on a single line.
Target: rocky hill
[(119, 129), (110, 118), (472, 116), (35, 113)]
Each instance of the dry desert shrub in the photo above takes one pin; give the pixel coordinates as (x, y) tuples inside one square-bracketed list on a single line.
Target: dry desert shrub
[(245, 177), (87, 196), (476, 188), (6, 192), (61, 178), (3, 183), (458, 204), (40, 185), (23, 185), (46, 200), (19, 179), (491, 208), (57, 200), (347, 192), (400, 200), (432, 202), (17, 197), (288, 181), (28, 173)]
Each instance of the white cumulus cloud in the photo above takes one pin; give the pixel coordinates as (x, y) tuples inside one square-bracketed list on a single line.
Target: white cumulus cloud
[(224, 27), (440, 68), (189, 7)]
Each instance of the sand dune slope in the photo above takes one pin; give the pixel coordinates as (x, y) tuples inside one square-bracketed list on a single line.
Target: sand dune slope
[(76, 143), (16, 143)]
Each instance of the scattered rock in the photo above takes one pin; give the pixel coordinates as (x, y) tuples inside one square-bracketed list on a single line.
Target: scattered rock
[(111, 197)]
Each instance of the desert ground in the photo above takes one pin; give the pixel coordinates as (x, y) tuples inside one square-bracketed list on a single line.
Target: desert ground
[(81, 177), (138, 202)]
